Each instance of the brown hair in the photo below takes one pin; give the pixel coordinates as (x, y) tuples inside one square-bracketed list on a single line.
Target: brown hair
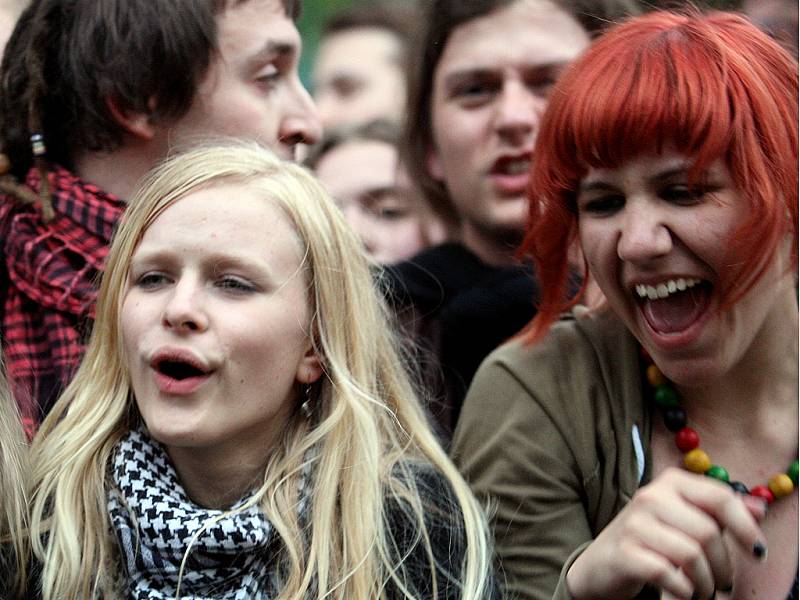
[(66, 58)]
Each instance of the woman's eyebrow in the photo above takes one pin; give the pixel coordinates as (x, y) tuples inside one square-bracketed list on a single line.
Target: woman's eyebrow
[(670, 173), (595, 186)]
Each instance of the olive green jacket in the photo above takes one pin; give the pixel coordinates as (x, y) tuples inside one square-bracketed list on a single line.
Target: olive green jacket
[(556, 437)]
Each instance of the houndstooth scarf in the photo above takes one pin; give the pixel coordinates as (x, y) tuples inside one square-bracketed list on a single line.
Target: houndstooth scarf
[(154, 521)]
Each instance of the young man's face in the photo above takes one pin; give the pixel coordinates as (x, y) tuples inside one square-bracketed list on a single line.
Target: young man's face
[(490, 89), (252, 88)]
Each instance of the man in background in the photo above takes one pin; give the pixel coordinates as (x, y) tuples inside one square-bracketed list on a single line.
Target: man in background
[(359, 71), (94, 94)]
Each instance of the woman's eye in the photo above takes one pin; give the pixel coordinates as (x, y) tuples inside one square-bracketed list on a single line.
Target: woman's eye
[(601, 205), (235, 285), (683, 194), (151, 280)]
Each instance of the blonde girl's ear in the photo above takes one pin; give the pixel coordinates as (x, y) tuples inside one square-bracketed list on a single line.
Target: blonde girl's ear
[(309, 370)]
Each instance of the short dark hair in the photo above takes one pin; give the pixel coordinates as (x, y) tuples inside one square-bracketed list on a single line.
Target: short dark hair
[(442, 18), (65, 58)]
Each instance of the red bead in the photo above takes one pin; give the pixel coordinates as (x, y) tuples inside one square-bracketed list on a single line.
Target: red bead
[(645, 354), (762, 491), (687, 439)]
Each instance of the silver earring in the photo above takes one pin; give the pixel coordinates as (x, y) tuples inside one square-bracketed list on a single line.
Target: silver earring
[(307, 406)]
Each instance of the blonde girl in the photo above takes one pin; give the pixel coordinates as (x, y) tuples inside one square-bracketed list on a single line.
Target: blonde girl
[(242, 424)]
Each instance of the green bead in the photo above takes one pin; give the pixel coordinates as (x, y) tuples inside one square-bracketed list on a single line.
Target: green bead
[(666, 396), (792, 472), (719, 473)]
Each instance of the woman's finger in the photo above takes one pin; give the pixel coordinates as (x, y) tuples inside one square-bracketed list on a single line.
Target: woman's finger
[(730, 512), (664, 575), (699, 533), (684, 553)]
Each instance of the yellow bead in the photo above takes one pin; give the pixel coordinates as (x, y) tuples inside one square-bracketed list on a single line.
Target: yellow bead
[(697, 461), (781, 485), (655, 376)]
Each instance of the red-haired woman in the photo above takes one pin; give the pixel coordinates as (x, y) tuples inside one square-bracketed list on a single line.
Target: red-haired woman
[(669, 152)]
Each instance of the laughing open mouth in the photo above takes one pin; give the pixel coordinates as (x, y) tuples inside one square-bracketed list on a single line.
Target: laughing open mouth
[(674, 304)]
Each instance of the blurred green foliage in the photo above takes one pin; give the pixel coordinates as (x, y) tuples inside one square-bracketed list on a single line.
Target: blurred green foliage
[(315, 12)]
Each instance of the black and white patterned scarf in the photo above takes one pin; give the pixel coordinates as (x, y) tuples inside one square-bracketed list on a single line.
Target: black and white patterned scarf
[(155, 521)]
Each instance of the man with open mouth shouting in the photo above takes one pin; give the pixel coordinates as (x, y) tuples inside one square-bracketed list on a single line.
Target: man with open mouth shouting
[(483, 78)]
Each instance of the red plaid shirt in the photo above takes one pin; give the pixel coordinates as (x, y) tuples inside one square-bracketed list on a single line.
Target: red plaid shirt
[(48, 285)]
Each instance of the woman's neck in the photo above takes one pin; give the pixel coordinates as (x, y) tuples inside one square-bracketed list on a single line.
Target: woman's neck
[(213, 480), (760, 392)]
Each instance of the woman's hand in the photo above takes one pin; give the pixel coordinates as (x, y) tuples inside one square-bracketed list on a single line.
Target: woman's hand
[(670, 535)]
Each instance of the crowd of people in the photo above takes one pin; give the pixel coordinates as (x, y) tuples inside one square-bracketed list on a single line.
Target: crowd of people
[(505, 307)]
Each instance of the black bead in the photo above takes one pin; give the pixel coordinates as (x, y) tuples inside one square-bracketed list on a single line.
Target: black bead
[(674, 418), (739, 487)]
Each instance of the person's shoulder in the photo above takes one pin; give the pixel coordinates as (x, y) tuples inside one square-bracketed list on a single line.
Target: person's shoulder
[(579, 337), (421, 495), (431, 275), (424, 481), (584, 357), (439, 511)]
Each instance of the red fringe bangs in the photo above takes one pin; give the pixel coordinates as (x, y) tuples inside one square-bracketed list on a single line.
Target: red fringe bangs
[(638, 91)]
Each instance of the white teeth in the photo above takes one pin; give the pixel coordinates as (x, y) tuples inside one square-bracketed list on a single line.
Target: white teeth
[(664, 289)]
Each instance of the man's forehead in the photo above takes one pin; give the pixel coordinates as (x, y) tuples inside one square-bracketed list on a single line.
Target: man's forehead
[(259, 28), (288, 8), (269, 11)]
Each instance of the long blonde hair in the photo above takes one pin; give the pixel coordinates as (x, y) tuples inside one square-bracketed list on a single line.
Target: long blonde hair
[(13, 496), (369, 435)]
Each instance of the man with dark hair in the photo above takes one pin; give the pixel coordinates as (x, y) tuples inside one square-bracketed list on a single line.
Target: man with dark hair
[(94, 93), (477, 90), (359, 72)]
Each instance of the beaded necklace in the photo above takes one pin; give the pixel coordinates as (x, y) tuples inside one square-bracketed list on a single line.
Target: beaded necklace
[(688, 441)]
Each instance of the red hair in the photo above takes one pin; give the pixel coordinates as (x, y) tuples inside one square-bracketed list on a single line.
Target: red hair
[(710, 86)]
